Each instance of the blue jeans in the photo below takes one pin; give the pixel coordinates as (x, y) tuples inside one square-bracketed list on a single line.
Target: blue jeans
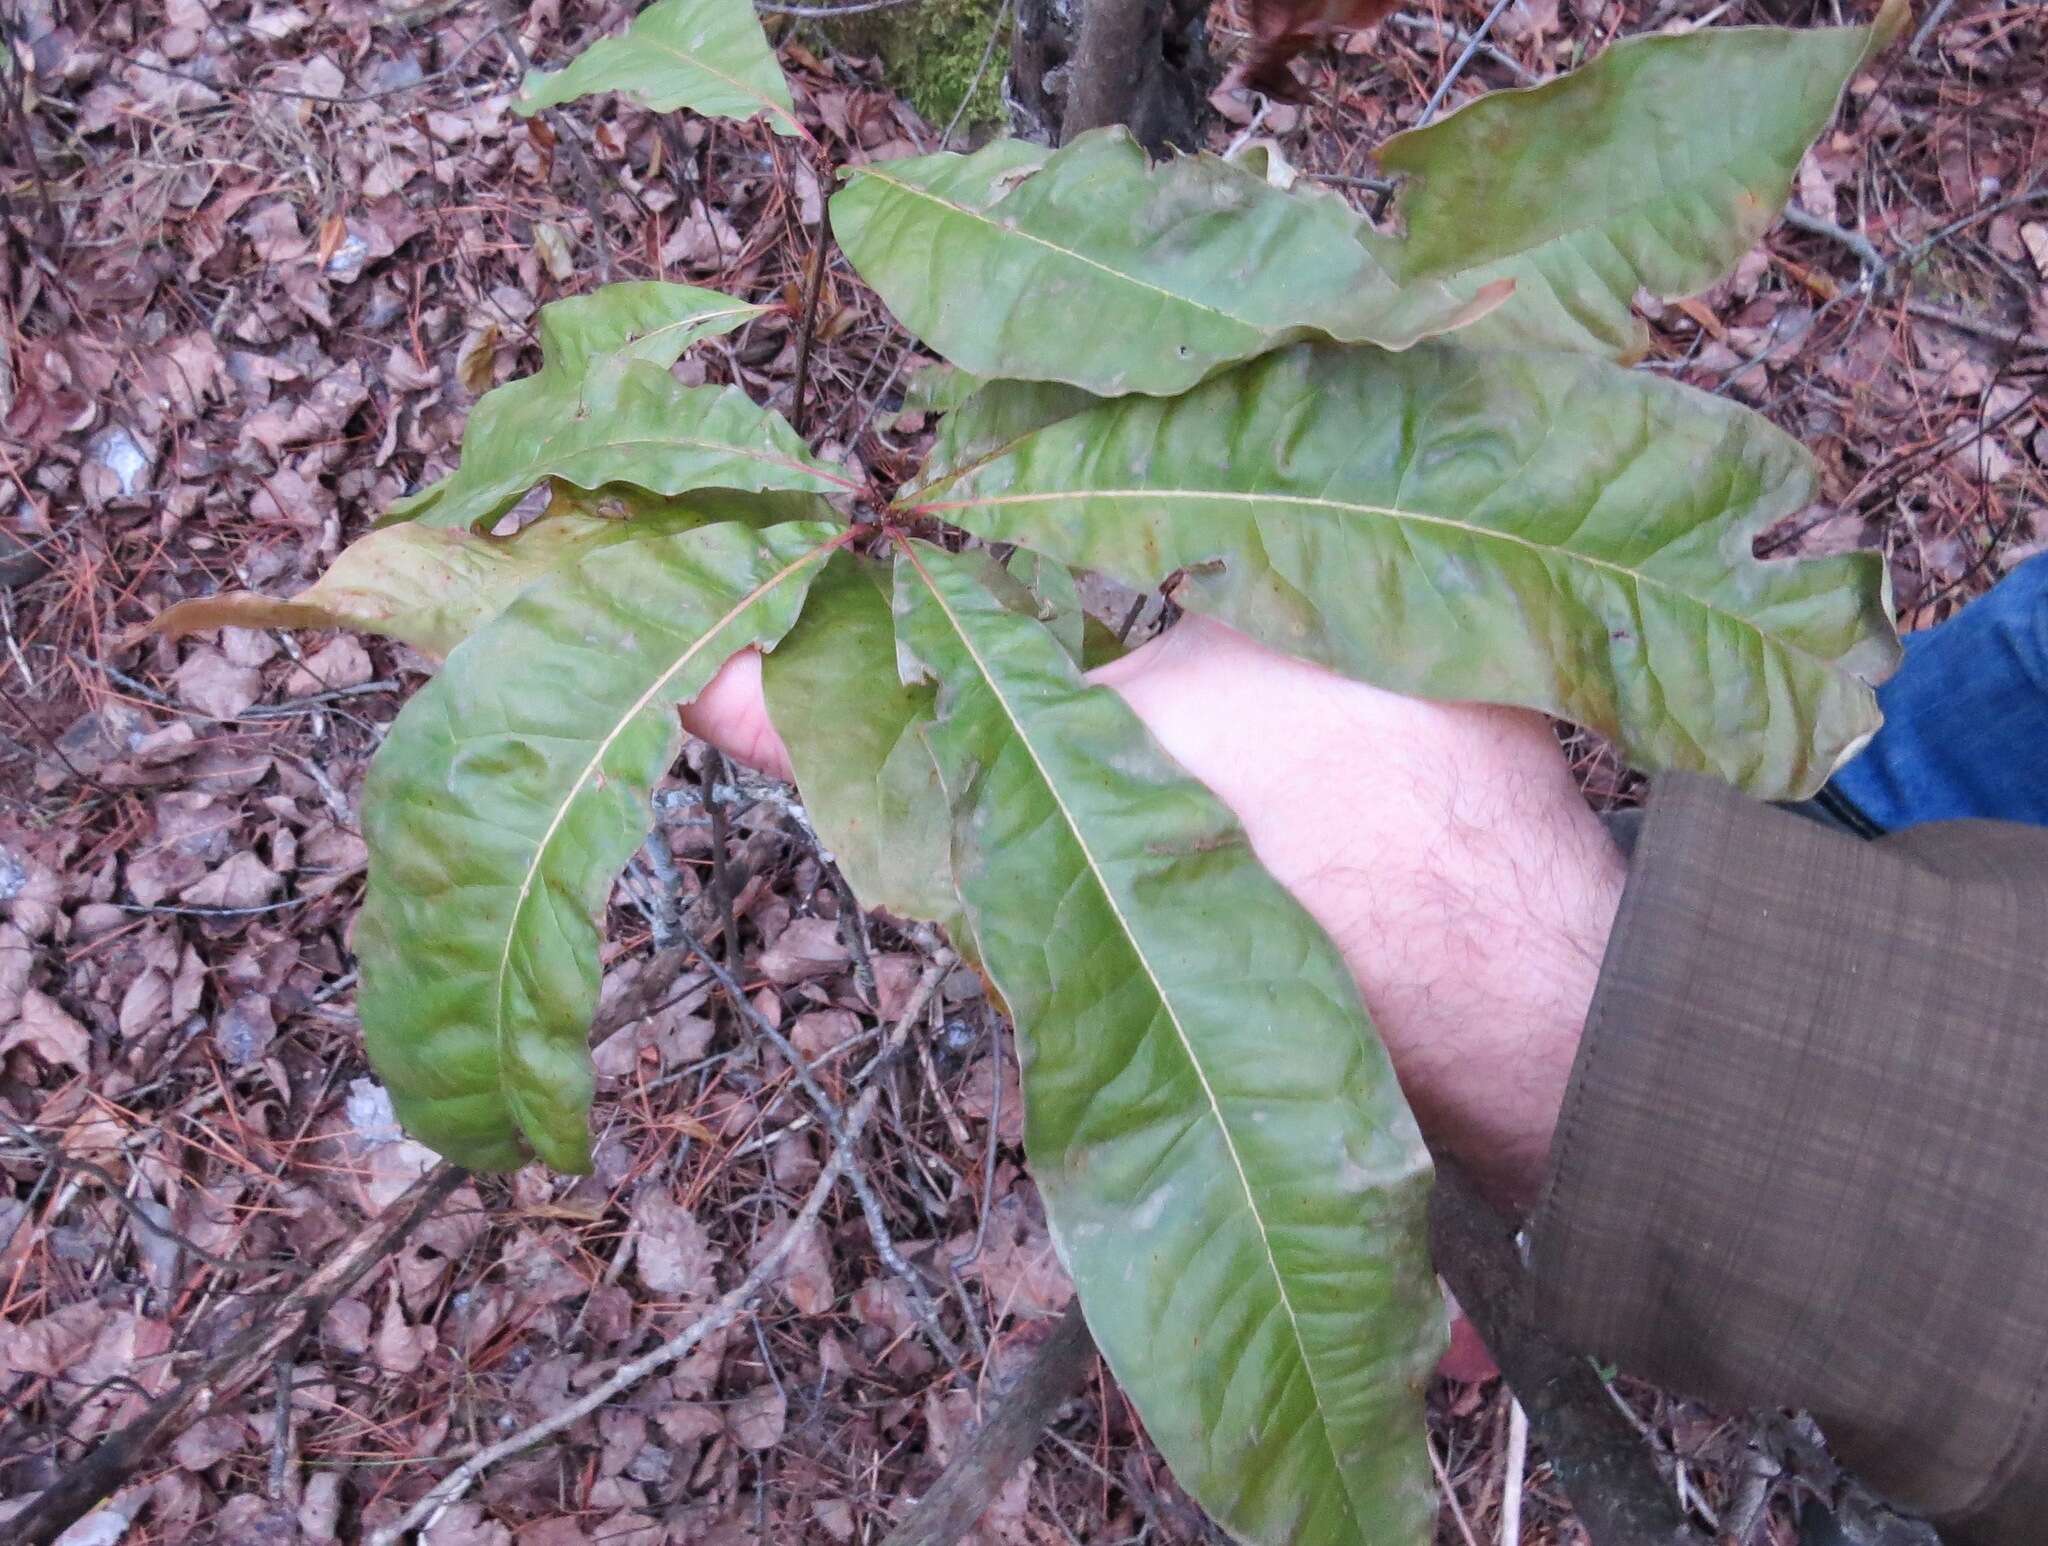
[(1965, 719)]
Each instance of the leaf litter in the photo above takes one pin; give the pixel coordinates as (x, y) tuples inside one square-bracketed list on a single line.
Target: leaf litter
[(262, 261)]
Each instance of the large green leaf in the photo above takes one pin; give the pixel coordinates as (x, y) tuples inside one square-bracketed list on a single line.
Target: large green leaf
[(433, 586), (1227, 1164), (706, 55), (1541, 529), (628, 422), (507, 797), (1091, 266), (644, 320), (994, 418), (1656, 166), (854, 734)]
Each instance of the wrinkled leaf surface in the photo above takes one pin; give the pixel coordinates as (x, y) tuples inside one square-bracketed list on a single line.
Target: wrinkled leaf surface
[(628, 422), (508, 795), (1656, 166), (1542, 529), (1090, 266), (642, 320), (433, 586), (1227, 1164), (854, 734)]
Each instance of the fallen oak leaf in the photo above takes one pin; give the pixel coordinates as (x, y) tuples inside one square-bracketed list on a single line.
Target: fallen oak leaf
[(1281, 29)]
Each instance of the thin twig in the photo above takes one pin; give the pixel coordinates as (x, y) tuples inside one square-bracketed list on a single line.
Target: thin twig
[(119, 1456), (1867, 254), (970, 1482), (1511, 1485), (1935, 17), (835, 1123), (1443, 1481), (807, 329), (1611, 1479), (721, 1315), (721, 864), (1472, 46), (988, 52), (2012, 337)]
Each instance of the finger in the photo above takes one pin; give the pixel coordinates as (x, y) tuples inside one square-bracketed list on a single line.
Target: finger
[(732, 714)]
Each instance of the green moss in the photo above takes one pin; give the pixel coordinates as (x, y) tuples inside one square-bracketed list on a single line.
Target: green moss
[(930, 52)]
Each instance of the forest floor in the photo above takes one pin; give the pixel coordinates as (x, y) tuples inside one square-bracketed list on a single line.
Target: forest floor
[(261, 258)]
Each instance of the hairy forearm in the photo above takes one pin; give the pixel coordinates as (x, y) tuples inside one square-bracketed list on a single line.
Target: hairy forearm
[(1443, 848)]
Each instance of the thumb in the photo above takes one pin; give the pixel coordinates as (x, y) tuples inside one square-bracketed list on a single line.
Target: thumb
[(732, 714)]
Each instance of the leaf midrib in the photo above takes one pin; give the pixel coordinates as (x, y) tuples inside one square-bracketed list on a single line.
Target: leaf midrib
[(538, 468), (700, 319), (1068, 252), (1172, 1014), (738, 85), (576, 786), (1598, 223), (1483, 533)]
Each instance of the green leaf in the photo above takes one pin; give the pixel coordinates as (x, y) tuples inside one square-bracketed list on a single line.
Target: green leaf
[(1656, 166), (1055, 598), (433, 586), (996, 417), (1024, 263), (706, 55), (644, 320), (505, 800), (1541, 529), (629, 422), (1227, 1164), (936, 387), (853, 731)]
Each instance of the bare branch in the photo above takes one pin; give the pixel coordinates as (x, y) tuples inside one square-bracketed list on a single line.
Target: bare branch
[(721, 1315)]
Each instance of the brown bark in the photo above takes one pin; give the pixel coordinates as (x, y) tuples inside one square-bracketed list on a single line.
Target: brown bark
[(1081, 64)]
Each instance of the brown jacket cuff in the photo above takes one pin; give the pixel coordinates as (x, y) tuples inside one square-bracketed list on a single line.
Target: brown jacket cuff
[(1804, 1157)]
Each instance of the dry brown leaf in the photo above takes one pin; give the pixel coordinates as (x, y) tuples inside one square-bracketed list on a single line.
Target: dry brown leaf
[(807, 1270), (209, 1441), (809, 947), (46, 1030), (146, 1002), (817, 1032), (211, 683), (672, 1254), (2034, 237), (1281, 29), (399, 1348), (1017, 1265), (340, 662), (242, 880), (466, 1524), (757, 1419), (17, 958), (54, 1343)]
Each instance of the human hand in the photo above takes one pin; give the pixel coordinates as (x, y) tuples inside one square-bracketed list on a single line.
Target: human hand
[(1442, 846)]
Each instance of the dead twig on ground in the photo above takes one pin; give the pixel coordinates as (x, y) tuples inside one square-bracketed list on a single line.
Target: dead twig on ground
[(721, 1315), (842, 1137), (1620, 1498), (970, 1482), (807, 329), (228, 1372), (1472, 46)]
